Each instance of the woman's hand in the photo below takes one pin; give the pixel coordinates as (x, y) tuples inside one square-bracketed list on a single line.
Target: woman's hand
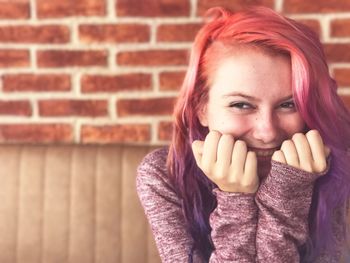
[(304, 151), (227, 162)]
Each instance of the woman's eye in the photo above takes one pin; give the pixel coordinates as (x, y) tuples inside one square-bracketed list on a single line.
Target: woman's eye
[(240, 105), (288, 105)]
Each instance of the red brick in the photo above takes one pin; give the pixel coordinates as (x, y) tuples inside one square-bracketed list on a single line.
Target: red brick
[(36, 133), (33, 82), (15, 108), (114, 33), (66, 8), (313, 24), (340, 28), (178, 32), (234, 5), (71, 58), (165, 130), (125, 82), (337, 52), (322, 6), (342, 76), (153, 8), (153, 58), (14, 9), (171, 80), (82, 108), (34, 34), (14, 58), (346, 100), (145, 107), (116, 133)]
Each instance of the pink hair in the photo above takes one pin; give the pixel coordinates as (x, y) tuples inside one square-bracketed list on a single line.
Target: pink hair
[(315, 94)]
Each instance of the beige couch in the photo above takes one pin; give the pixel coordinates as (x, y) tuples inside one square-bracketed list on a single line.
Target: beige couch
[(75, 204), (72, 204)]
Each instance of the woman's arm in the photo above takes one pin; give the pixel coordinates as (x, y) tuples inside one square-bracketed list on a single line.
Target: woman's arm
[(284, 200), (284, 197), (233, 225), (163, 209), (233, 222), (228, 163)]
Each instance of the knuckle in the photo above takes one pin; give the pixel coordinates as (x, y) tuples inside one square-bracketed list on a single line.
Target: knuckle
[(235, 175), (232, 180), (248, 181), (313, 134), (215, 134), (286, 144), (278, 156), (248, 187), (196, 145), (206, 169), (212, 136), (245, 185), (221, 172), (321, 166), (226, 138), (298, 136), (251, 157), (240, 144), (307, 167)]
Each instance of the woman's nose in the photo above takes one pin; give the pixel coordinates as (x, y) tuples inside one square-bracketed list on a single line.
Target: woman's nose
[(265, 128)]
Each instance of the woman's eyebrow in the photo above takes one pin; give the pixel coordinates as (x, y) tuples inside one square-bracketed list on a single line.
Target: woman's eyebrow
[(287, 98), (250, 97), (239, 94)]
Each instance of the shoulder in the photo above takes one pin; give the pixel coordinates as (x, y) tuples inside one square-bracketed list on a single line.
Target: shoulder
[(153, 177), (154, 161), (153, 167)]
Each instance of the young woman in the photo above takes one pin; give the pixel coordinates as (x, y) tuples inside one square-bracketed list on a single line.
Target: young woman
[(258, 168)]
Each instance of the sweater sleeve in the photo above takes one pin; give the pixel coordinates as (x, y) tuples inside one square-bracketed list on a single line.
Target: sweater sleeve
[(233, 222), (283, 200), (163, 210), (233, 225)]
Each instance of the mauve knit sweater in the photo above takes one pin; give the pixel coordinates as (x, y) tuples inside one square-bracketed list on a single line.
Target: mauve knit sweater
[(268, 226)]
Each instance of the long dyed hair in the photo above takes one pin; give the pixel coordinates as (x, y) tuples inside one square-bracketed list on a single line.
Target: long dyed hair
[(315, 95)]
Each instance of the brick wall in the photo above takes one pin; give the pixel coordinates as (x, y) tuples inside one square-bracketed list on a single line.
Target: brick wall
[(108, 71)]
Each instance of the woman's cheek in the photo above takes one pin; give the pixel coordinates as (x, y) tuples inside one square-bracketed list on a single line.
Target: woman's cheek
[(234, 126), (292, 124)]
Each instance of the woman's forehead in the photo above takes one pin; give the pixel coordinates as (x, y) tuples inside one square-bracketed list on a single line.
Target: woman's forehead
[(219, 52), (252, 73)]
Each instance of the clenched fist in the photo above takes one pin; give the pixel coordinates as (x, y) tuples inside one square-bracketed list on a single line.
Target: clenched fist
[(304, 151), (227, 162)]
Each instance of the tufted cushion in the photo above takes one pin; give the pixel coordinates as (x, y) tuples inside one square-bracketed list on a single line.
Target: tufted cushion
[(72, 203)]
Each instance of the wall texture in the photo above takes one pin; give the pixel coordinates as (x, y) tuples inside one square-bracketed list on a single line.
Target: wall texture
[(108, 71)]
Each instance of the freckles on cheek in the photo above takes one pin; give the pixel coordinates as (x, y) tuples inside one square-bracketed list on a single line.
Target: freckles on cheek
[(232, 127), (296, 128)]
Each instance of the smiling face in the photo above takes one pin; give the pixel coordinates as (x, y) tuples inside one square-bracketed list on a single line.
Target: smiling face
[(250, 97)]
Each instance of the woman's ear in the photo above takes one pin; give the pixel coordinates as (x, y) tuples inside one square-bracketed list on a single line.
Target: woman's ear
[(203, 116)]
